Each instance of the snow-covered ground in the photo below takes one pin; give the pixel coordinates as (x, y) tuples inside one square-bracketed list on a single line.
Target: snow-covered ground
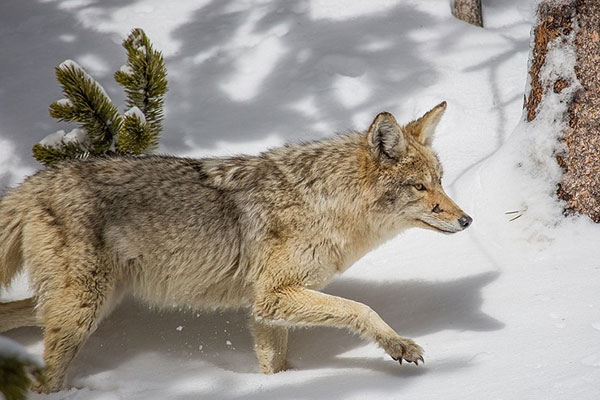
[(506, 310)]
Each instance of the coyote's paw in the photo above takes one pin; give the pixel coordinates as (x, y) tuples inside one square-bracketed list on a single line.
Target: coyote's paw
[(405, 349), (46, 387), (42, 388)]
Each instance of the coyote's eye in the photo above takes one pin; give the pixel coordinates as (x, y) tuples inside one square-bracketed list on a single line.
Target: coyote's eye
[(420, 187)]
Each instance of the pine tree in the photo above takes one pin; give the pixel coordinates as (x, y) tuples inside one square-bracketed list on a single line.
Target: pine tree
[(144, 78), (106, 132)]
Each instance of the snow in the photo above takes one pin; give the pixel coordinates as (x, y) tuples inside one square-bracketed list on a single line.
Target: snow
[(507, 309), (64, 102), (125, 68), (135, 111), (523, 174), (97, 65), (60, 136), (53, 139), (76, 135), (69, 64)]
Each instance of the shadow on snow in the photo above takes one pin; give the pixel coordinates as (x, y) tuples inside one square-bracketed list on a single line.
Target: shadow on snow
[(412, 308)]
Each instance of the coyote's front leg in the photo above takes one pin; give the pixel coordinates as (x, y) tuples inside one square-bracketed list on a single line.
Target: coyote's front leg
[(305, 307)]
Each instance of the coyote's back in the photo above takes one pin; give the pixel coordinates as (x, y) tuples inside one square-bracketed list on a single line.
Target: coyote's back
[(154, 224)]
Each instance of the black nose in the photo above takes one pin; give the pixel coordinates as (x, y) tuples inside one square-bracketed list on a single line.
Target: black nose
[(465, 221)]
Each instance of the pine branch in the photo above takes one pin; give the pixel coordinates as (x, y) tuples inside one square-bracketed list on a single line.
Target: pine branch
[(144, 79), (103, 129), (47, 154), (136, 137), (14, 379), (17, 370), (88, 104)]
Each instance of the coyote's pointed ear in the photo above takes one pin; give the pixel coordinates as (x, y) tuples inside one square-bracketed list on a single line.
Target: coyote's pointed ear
[(385, 136), (424, 127)]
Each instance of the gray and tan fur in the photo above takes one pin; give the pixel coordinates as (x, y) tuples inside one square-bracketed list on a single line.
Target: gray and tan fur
[(263, 232)]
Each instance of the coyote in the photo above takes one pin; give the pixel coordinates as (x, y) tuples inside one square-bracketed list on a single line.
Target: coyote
[(264, 233)]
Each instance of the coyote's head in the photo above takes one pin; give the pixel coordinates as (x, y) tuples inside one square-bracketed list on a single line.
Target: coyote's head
[(407, 175)]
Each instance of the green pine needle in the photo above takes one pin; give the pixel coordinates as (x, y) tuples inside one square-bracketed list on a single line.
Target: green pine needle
[(88, 104), (144, 79), (145, 84), (16, 377), (136, 137), (62, 151)]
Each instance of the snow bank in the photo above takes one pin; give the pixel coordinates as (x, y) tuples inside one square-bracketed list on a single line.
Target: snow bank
[(516, 187)]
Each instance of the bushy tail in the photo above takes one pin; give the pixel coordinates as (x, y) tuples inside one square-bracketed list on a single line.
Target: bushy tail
[(11, 232)]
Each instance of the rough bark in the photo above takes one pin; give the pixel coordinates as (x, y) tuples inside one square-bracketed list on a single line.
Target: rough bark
[(468, 11), (580, 184)]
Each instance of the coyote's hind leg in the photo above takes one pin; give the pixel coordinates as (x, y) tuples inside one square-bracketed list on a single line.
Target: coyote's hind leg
[(271, 346), (70, 315), (73, 283)]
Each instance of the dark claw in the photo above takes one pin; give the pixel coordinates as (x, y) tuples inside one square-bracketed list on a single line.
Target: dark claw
[(422, 360), (394, 358)]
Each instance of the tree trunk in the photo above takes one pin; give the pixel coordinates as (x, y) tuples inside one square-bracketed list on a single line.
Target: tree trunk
[(468, 11), (574, 23)]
